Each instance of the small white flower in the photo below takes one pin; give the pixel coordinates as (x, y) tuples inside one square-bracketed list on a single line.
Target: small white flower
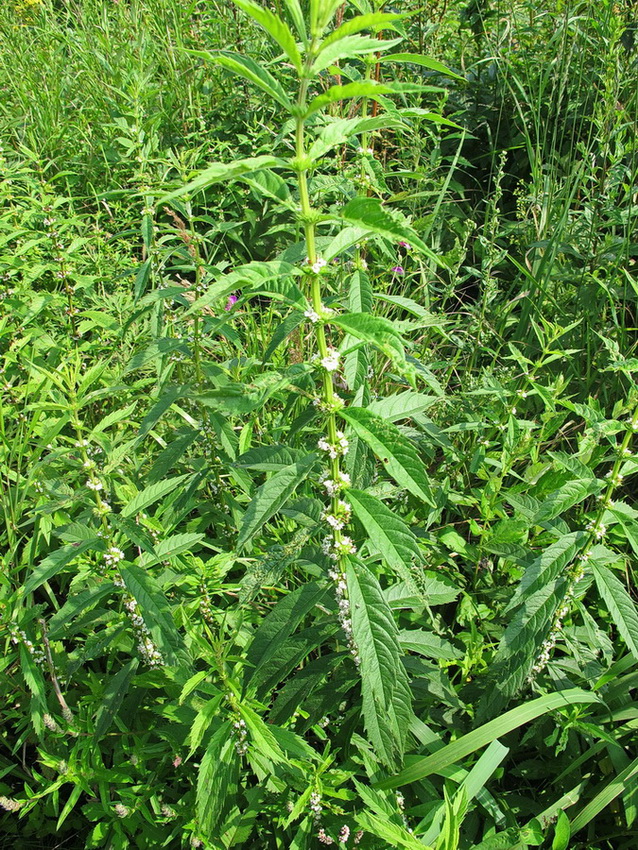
[(318, 265), (331, 361), (310, 314)]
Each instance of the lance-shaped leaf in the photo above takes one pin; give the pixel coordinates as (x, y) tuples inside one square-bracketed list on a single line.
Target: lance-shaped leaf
[(276, 29), (217, 779), (56, 561), (394, 450), (116, 690), (296, 15), (156, 613), (372, 21), (619, 604), (390, 536), (368, 88), (272, 496), (349, 46), (223, 172), (339, 130), (368, 213), (385, 691), (423, 61), (374, 329)]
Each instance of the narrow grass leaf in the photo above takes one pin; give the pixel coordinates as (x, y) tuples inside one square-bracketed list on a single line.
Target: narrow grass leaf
[(497, 728)]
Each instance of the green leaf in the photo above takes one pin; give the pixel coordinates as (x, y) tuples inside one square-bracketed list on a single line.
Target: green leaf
[(156, 613), (393, 834), (252, 71), (604, 797), (434, 588), (217, 779), (170, 547), (272, 496), (423, 61), (56, 562), (395, 451), (276, 29), (151, 494), (390, 536), (373, 21), (562, 832), (203, 719), (224, 172), (296, 15), (269, 458), (547, 567), (337, 131), (116, 690), (369, 214), (369, 89), (373, 329), (76, 604), (384, 683), (402, 405), (428, 644), (280, 623), (348, 46), (570, 494), (619, 604), (484, 735)]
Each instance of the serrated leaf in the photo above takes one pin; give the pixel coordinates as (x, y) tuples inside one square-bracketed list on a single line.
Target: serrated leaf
[(428, 644), (548, 566), (156, 613), (349, 46), (369, 88), (217, 779), (395, 451), (339, 130), (384, 683), (276, 29), (390, 536), (619, 604), (402, 405), (203, 719), (223, 172), (280, 624), (170, 547), (372, 329), (434, 589), (369, 214), (56, 562), (272, 496), (149, 495), (269, 458), (255, 73), (393, 834), (116, 690), (565, 497), (371, 21), (78, 603)]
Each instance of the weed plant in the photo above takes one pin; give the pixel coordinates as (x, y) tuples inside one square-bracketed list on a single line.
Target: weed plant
[(317, 425)]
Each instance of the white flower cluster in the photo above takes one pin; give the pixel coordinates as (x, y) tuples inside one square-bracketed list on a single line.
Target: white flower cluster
[(9, 804), (94, 484), (369, 151), (112, 556), (341, 588), (332, 361), (598, 530), (240, 734), (316, 267), (20, 636), (147, 649), (334, 487), (335, 449), (324, 314), (121, 810), (315, 804), (339, 517), (336, 403)]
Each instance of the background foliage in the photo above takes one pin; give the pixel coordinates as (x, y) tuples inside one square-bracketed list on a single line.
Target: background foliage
[(176, 671)]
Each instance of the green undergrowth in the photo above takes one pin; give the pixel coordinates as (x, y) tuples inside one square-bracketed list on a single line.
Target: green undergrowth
[(318, 420)]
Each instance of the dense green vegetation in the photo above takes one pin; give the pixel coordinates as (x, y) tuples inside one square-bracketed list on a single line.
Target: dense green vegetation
[(318, 422)]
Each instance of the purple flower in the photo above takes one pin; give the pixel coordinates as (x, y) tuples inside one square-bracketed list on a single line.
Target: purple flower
[(398, 270), (405, 245), (232, 300)]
